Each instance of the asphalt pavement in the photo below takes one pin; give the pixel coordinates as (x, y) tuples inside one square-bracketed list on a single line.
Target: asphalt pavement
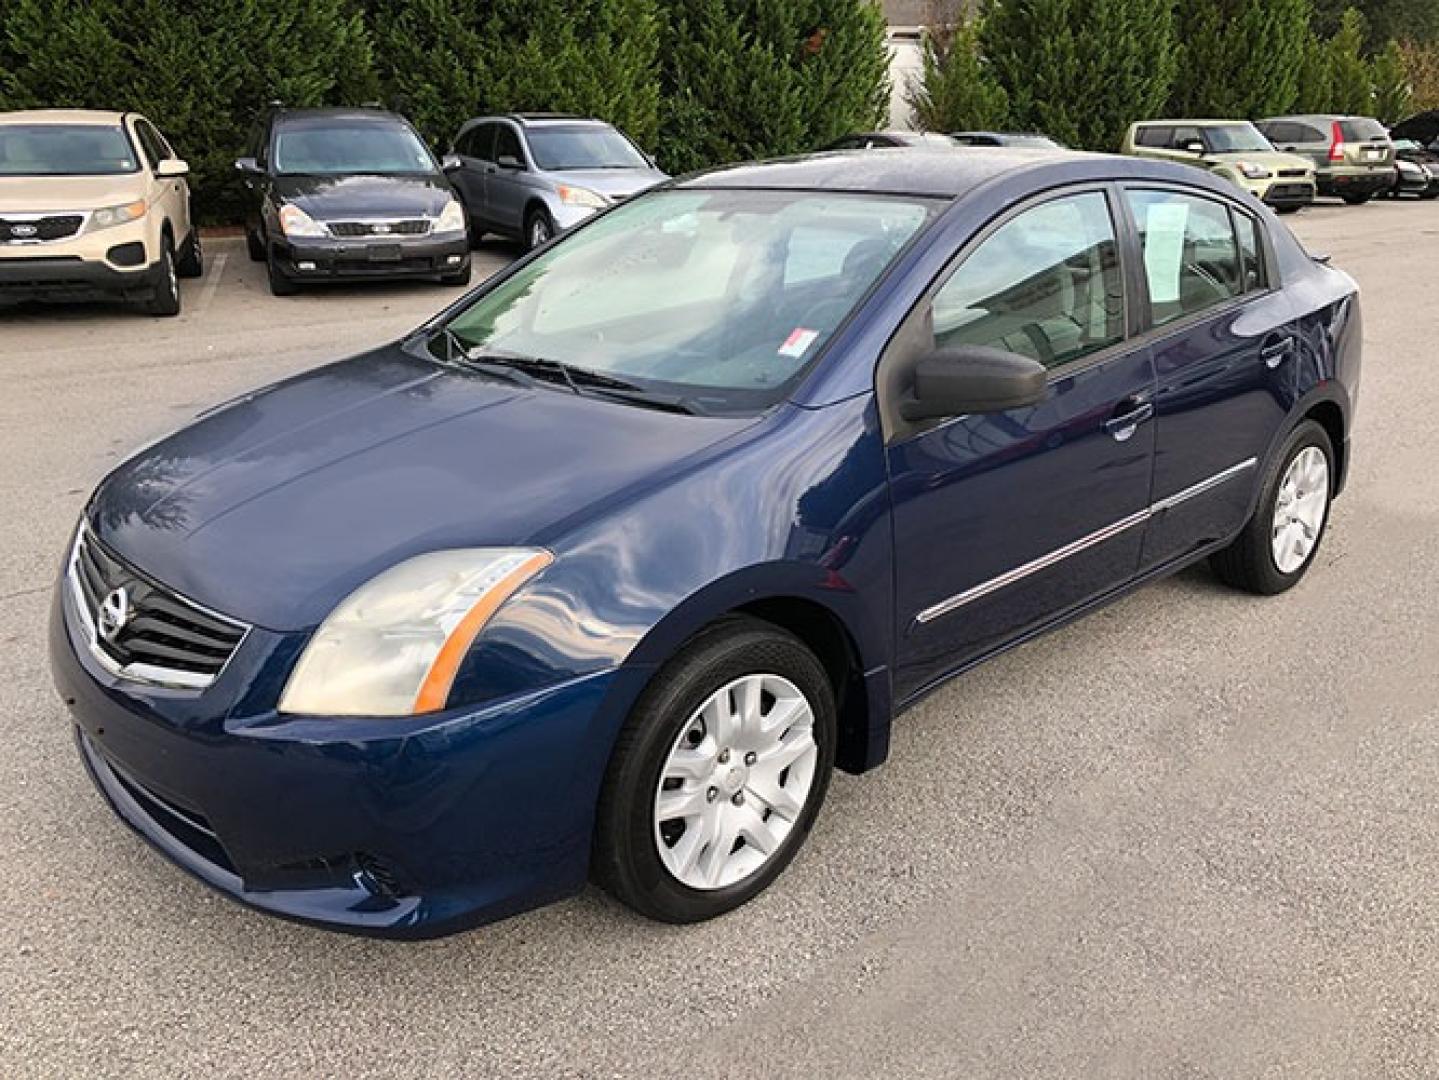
[(1194, 835)]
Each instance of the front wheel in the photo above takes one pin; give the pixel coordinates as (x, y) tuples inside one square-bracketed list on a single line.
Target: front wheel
[(1358, 199), (1278, 545), (281, 284), (191, 263), (717, 775), (539, 229), (165, 296)]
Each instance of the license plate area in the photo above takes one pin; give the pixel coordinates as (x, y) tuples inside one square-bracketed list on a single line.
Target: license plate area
[(383, 253)]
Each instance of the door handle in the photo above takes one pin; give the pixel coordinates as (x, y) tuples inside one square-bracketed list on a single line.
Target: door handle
[(1123, 426), (1275, 350)]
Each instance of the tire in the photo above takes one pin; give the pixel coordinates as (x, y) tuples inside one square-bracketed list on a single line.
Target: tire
[(255, 246), (280, 284), (456, 280), (1289, 209), (1252, 562), (1356, 199), (165, 296), (719, 665), (539, 228), (191, 263)]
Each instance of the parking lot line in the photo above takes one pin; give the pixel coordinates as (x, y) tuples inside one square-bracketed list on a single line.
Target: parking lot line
[(213, 273)]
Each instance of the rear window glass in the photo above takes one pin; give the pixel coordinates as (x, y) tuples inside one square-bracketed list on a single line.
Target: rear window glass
[(1362, 130)]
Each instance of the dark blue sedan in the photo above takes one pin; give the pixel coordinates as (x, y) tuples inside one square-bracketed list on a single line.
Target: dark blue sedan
[(601, 573)]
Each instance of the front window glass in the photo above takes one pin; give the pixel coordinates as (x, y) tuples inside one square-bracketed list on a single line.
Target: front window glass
[(1191, 260), (583, 146), (65, 150), (337, 149), (1237, 139), (1046, 285), (721, 296)]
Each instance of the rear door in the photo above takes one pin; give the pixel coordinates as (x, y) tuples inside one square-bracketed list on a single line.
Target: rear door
[(1004, 521), (1222, 335), (475, 149)]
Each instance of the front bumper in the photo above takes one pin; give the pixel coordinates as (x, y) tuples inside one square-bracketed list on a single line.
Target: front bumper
[(372, 258), (398, 828)]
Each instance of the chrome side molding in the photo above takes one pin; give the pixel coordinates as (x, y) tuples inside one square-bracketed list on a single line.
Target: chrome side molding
[(1099, 536)]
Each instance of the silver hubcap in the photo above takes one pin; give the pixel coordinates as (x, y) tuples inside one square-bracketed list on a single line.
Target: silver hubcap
[(539, 232), (1299, 509), (735, 782)]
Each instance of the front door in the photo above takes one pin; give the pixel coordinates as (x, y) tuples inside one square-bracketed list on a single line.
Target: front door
[(1004, 521)]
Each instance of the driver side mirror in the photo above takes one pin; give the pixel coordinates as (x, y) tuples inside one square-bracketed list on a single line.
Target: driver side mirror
[(972, 379), (172, 168), (451, 162), (509, 161), (247, 165)]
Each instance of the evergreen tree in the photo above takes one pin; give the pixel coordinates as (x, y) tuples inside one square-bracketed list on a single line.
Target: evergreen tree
[(1351, 88), (1421, 68), (955, 90), (1081, 70), (201, 70), (1393, 91), (1316, 79), (747, 79), (1239, 58)]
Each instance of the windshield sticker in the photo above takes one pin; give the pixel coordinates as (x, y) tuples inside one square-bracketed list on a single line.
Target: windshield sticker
[(798, 343)]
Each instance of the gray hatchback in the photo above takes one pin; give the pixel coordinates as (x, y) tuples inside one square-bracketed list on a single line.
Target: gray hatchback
[(529, 176)]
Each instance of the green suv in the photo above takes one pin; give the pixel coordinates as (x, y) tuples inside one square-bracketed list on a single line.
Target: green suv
[(1233, 149), (1352, 155)]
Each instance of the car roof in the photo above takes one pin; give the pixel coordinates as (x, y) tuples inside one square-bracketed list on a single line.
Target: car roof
[(897, 171), (1211, 122), (62, 116), (360, 113)]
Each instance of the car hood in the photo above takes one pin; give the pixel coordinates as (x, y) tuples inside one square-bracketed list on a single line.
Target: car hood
[(274, 507), (1273, 160), (336, 198), (612, 183), (38, 194)]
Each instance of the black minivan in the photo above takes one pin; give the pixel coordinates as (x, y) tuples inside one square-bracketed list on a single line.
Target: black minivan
[(343, 194)]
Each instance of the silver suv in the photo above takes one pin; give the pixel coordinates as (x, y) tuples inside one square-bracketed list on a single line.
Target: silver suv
[(1352, 155), (531, 175)]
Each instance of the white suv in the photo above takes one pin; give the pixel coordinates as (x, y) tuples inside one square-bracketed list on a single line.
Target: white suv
[(93, 203)]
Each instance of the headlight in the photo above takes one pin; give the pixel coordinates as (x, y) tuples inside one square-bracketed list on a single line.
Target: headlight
[(295, 222), (578, 196), (451, 219), (116, 215), (393, 646), (1253, 172)]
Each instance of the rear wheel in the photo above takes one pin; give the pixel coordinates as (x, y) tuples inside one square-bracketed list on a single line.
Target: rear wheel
[(458, 278), (1278, 545), (717, 775), (1358, 198), (191, 263), (165, 296)]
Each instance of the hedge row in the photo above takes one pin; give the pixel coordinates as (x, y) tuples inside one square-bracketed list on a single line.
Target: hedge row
[(1083, 70), (697, 81)]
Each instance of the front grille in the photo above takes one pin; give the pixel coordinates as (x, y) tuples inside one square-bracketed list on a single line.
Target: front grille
[(1290, 191), (407, 227), (31, 230), (142, 630), (1293, 173)]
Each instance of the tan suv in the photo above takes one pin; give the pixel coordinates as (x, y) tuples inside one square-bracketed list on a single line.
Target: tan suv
[(93, 204)]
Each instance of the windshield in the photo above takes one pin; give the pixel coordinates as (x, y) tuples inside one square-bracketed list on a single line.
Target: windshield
[(583, 146), (65, 150), (722, 297), (338, 149), (1237, 139)]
